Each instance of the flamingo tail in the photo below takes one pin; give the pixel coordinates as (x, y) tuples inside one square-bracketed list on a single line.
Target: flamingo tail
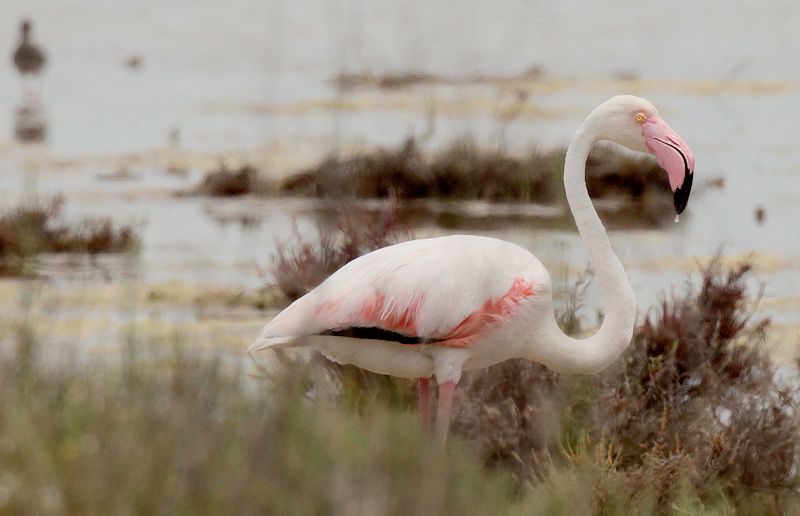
[(276, 342)]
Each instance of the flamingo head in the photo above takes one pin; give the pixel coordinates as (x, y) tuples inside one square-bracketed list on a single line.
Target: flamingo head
[(634, 122)]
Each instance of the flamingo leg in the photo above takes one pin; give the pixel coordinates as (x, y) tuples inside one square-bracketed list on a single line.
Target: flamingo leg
[(446, 391), (425, 402)]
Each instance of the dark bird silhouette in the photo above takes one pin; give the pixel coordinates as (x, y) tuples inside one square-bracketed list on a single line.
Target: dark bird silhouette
[(29, 58)]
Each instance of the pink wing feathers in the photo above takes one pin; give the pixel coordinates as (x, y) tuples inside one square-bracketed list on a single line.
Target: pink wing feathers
[(449, 289)]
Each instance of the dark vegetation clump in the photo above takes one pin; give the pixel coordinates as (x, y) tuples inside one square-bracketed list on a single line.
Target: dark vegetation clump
[(30, 229), (698, 386), (225, 182), (465, 171), (635, 188), (462, 171), (299, 266), (507, 413), (636, 181)]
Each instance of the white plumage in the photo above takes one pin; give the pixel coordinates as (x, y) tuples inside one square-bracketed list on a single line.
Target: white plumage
[(438, 281)]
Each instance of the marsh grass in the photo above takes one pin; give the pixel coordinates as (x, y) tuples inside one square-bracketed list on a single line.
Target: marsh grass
[(465, 171), (304, 262), (401, 80), (230, 182), (388, 81), (698, 388), (168, 429), (38, 227)]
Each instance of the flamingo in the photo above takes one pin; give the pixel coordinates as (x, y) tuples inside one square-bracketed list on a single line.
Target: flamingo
[(29, 58), (440, 306)]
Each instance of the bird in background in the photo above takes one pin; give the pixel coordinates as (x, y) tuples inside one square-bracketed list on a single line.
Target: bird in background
[(440, 306), (29, 60)]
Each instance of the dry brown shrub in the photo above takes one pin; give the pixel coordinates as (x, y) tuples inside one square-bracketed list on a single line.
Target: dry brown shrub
[(302, 264), (638, 188), (226, 182), (695, 397), (698, 380), (463, 170), (508, 414), (38, 227)]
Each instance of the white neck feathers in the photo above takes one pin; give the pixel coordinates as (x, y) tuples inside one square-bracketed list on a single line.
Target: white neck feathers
[(598, 351)]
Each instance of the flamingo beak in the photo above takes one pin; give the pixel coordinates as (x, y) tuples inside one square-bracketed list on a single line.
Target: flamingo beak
[(674, 156)]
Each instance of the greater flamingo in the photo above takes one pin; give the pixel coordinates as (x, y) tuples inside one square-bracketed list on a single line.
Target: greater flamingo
[(29, 58), (444, 305)]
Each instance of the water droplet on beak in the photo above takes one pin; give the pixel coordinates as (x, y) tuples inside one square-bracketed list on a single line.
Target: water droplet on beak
[(677, 218)]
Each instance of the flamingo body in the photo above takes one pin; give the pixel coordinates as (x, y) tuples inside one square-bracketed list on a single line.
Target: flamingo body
[(466, 299)]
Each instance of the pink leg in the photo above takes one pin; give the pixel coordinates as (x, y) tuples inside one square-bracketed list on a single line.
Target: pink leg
[(425, 402), (443, 413)]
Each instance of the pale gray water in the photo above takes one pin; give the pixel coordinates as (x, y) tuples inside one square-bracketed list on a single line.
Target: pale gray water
[(725, 75)]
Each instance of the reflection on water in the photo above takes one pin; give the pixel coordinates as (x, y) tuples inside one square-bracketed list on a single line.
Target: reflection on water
[(30, 124)]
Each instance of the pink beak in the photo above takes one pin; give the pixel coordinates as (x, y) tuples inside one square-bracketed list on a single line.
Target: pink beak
[(674, 156)]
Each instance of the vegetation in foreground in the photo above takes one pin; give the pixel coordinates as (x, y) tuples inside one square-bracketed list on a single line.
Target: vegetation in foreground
[(29, 230), (695, 407), (691, 420), (174, 433)]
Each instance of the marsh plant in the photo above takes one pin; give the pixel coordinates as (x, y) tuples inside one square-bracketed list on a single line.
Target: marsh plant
[(167, 431), (465, 171), (691, 420), (39, 227), (696, 403), (302, 263), (225, 181)]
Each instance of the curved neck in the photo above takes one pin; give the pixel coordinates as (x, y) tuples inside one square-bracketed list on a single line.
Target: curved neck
[(598, 351)]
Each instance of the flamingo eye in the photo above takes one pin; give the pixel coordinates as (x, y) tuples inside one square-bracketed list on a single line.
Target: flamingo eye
[(639, 117)]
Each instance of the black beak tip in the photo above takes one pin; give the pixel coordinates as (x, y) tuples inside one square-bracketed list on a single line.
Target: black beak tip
[(681, 197)]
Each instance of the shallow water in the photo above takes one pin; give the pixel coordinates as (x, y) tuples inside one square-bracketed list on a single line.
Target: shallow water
[(252, 80)]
